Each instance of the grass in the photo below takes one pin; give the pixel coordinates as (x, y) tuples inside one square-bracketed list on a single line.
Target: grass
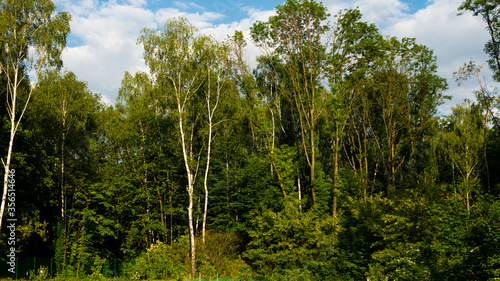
[(86, 279)]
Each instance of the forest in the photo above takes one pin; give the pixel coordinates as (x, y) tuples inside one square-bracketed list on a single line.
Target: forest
[(327, 161)]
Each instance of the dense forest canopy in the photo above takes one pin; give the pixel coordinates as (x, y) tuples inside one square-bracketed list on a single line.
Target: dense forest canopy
[(327, 161)]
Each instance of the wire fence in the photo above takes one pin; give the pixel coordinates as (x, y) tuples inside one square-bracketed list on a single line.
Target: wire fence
[(26, 268)]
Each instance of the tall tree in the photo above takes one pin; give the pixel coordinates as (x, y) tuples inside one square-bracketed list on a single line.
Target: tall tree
[(463, 140), (65, 107), (218, 67), (402, 92), (295, 37), (67, 99), (488, 100), (352, 51), (173, 56), (27, 25)]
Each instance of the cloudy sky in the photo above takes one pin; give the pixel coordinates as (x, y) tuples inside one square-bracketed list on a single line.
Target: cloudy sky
[(102, 44)]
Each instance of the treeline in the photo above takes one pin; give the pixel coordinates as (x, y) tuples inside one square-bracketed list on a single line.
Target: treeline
[(328, 161)]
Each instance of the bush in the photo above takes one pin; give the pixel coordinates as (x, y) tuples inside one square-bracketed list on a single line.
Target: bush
[(160, 261)]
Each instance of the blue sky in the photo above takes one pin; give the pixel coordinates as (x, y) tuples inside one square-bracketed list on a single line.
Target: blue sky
[(415, 5), (102, 45)]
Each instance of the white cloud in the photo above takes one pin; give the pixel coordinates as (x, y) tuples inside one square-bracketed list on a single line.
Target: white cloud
[(82, 7), (181, 5), (108, 35), (221, 31), (202, 20), (382, 12), (137, 3), (108, 32), (106, 100), (188, 5)]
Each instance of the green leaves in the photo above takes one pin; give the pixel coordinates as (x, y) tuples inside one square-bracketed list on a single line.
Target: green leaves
[(33, 23), (285, 241), (327, 161), (489, 10)]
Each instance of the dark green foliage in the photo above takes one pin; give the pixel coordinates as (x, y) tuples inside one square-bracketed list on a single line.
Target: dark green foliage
[(327, 162), (285, 244), (493, 148)]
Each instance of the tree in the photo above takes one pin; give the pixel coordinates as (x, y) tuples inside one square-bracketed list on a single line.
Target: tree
[(352, 52), (463, 141), (489, 10), (294, 37), (487, 100), (173, 56), (66, 108), (65, 99), (142, 166), (401, 93), (284, 244), (218, 67), (32, 35)]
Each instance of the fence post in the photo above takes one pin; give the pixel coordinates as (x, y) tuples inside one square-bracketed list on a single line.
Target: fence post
[(114, 271), (34, 265)]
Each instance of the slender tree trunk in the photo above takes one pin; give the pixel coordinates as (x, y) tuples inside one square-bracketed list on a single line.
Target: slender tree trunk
[(160, 198), (198, 213), (191, 233), (63, 191), (190, 189), (211, 113), (491, 30), (205, 184), (171, 211), (485, 153), (313, 161), (335, 174), (300, 194), (7, 165), (11, 144)]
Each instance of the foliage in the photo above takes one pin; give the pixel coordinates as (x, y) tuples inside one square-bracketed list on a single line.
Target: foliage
[(489, 12), (42, 274), (326, 162), (285, 243), (160, 261)]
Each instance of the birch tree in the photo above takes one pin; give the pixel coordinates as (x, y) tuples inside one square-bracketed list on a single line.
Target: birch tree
[(489, 100), (32, 35), (463, 142), (173, 56), (217, 61)]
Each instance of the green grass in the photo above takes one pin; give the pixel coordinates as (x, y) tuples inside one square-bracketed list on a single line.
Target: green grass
[(88, 279)]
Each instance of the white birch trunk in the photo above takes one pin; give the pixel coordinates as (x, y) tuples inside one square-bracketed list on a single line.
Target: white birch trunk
[(9, 152), (300, 194), (63, 199), (190, 187), (211, 113), (205, 184)]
